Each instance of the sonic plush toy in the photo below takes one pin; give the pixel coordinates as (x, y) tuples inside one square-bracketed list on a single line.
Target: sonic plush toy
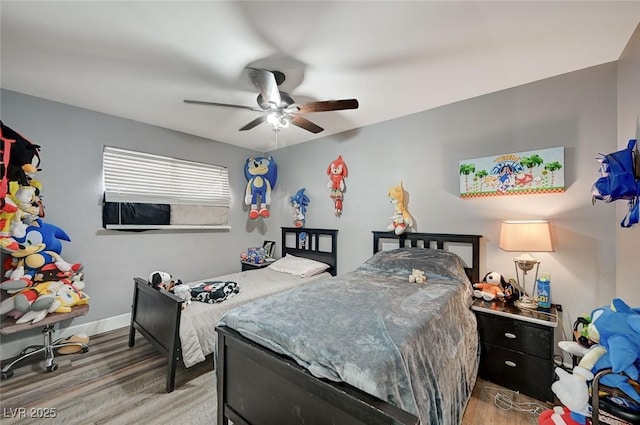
[(299, 203), (617, 330), (40, 247), (261, 174)]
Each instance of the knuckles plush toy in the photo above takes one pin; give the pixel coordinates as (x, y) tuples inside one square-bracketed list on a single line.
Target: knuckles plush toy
[(261, 174), (337, 172), (490, 288)]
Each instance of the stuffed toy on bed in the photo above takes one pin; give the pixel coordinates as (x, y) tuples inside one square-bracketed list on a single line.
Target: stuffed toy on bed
[(417, 276), (490, 288)]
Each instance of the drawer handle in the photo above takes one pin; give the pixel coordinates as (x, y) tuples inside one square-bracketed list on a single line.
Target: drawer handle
[(509, 335), (510, 363)]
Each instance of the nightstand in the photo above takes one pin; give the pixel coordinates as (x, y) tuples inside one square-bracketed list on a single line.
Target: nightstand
[(517, 347), (253, 266)]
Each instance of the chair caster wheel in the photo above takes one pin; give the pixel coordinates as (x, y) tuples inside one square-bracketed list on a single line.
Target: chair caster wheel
[(52, 368), (8, 374)]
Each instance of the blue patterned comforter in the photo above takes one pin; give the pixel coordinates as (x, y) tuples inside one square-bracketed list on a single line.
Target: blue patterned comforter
[(413, 345)]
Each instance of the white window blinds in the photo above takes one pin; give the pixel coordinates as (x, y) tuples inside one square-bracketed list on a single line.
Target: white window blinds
[(131, 176)]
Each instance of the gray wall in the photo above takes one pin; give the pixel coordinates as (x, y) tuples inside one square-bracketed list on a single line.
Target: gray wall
[(628, 240), (576, 110), (72, 140)]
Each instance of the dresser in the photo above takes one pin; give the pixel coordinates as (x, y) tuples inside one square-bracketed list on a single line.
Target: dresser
[(517, 347)]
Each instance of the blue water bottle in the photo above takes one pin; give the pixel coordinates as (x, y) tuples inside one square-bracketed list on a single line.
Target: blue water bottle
[(544, 292)]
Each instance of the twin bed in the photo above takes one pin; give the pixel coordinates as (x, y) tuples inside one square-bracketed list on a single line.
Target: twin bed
[(364, 347), (188, 335)]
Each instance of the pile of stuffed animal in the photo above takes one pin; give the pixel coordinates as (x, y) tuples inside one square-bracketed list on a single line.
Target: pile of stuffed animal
[(614, 334), (36, 279)]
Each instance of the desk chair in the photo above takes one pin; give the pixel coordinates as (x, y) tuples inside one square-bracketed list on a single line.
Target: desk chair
[(600, 405), (49, 323)]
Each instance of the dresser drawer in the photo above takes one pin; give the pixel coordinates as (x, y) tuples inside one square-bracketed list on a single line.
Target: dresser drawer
[(529, 338), (521, 372)]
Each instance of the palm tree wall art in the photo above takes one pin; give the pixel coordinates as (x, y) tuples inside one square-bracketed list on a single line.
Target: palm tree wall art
[(519, 173)]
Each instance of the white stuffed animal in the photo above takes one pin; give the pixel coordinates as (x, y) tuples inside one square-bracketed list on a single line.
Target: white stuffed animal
[(417, 276), (160, 280), (183, 291)]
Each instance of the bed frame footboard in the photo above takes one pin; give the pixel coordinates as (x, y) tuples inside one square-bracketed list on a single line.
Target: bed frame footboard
[(258, 387), (156, 315)]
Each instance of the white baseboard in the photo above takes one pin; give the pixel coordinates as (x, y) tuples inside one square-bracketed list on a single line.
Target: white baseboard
[(13, 348)]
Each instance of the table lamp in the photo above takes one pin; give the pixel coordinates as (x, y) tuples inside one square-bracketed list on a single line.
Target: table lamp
[(526, 236)]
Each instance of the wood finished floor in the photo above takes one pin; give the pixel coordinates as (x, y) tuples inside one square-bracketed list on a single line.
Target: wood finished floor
[(115, 384)]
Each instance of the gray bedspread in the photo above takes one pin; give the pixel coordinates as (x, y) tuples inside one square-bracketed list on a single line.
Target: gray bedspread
[(413, 345)]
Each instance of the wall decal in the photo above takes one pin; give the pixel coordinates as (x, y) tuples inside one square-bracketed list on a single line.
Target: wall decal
[(520, 173)]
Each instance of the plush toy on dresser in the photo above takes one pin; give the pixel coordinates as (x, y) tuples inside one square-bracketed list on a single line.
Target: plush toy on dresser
[(491, 287)]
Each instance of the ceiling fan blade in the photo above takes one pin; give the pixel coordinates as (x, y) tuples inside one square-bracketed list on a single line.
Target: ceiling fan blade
[(328, 105), (306, 124), (223, 105), (266, 83), (254, 123)]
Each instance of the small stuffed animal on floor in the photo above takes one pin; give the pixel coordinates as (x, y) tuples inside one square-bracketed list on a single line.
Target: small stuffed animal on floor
[(490, 288)]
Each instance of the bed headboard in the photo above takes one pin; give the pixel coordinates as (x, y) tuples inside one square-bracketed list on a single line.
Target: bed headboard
[(321, 245), (439, 241)]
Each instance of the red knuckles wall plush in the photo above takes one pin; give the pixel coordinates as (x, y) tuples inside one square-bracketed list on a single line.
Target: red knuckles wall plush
[(337, 172)]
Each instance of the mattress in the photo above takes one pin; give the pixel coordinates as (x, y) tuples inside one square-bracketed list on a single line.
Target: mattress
[(412, 345), (198, 320)]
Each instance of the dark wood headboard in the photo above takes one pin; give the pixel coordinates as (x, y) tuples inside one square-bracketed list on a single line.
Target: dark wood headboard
[(428, 240), (321, 245)]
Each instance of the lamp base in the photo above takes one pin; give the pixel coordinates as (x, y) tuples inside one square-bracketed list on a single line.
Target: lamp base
[(526, 301)]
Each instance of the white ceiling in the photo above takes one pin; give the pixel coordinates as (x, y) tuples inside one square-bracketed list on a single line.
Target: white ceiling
[(139, 60)]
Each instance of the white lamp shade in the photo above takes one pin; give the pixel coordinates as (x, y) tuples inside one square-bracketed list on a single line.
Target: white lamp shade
[(526, 236)]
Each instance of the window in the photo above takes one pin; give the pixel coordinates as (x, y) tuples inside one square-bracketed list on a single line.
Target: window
[(145, 191)]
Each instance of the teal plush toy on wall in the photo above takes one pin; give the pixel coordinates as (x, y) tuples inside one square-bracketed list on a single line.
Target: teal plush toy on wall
[(261, 174)]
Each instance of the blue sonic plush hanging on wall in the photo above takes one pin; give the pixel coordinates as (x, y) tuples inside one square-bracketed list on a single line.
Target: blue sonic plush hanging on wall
[(261, 174), (299, 203)]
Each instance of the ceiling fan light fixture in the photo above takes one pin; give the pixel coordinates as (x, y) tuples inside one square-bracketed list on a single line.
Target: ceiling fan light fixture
[(278, 108), (277, 120)]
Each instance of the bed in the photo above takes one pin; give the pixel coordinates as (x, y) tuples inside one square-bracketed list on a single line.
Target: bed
[(312, 355), (188, 335)]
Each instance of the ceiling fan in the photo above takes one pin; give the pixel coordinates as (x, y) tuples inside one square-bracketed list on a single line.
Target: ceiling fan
[(278, 107)]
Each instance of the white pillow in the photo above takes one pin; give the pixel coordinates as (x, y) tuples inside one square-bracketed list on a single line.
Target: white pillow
[(303, 267)]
